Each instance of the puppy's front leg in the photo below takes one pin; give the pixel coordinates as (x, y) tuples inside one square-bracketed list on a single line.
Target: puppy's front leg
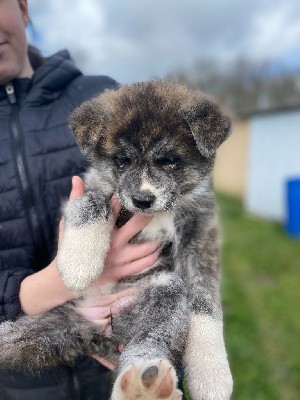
[(206, 365), (87, 225)]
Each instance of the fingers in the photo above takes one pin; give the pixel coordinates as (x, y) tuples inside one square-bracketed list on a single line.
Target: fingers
[(77, 188), (105, 362), (137, 266), (121, 348), (101, 318), (129, 260), (122, 303), (96, 313), (106, 300), (132, 252), (103, 324), (100, 314), (122, 235)]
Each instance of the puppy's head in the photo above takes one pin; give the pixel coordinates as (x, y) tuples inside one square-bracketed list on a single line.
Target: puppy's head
[(159, 140)]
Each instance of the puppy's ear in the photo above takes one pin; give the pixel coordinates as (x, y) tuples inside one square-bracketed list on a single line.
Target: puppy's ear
[(88, 123), (209, 126)]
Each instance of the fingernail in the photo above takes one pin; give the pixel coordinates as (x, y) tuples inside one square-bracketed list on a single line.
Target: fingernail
[(107, 331), (121, 348)]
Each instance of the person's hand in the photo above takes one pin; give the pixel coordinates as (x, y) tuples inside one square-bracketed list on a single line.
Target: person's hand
[(45, 290), (101, 309), (123, 258)]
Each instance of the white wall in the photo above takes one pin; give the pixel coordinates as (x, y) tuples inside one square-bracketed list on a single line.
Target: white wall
[(274, 156)]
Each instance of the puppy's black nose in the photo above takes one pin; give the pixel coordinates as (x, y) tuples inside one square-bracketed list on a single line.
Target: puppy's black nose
[(143, 200)]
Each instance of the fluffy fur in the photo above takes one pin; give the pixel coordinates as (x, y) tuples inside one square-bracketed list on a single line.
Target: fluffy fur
[(153, 144)]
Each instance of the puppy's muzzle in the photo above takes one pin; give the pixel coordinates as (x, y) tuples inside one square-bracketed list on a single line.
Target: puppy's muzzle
[(143, 200)]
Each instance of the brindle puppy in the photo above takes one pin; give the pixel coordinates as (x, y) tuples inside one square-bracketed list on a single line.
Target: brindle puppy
[(153, 144)]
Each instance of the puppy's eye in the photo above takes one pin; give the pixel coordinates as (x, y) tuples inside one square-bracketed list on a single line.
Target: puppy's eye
[(122, 161), (168, 161)]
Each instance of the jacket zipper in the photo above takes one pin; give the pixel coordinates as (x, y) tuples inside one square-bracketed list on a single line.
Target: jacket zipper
[(23, 180)]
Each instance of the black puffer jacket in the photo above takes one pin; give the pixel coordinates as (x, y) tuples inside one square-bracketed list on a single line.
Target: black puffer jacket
[(38, 157)]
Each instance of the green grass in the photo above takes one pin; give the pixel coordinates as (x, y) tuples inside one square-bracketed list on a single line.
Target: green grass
[(261, 299)]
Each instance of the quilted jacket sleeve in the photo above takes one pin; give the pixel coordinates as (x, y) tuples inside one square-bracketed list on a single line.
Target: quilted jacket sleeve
[(10, 282)]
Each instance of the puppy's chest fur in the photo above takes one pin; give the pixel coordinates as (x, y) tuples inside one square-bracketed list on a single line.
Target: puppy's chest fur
[(161, 227)]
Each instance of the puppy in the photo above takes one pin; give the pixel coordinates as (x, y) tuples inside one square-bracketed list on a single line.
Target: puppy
[(153, 144)]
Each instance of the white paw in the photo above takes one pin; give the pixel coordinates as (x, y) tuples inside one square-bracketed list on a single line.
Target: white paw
[(82, 253), (213, 382), (206, 367), (149, 380)]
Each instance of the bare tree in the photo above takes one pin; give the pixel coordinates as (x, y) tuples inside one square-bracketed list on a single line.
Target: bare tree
[(244, 86)]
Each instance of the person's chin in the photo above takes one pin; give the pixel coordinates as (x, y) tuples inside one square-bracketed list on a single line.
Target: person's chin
[(8, 71), (6, 75)]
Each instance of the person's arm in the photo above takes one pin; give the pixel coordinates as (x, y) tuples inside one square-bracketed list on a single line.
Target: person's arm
[(44, 290)]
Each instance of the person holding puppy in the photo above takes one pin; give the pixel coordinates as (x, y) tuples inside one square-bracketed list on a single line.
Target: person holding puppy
[(38, 158)]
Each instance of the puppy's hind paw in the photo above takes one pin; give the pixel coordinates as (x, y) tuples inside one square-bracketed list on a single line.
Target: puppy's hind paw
[(150, 380), (9, 345), (18, 348)]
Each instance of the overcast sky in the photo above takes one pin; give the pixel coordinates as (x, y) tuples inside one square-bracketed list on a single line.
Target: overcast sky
[(133, 40)]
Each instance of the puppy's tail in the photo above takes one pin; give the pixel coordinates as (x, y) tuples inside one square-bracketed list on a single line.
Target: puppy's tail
[(57, 337)]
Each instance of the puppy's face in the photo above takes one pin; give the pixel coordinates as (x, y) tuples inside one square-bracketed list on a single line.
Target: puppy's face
[(158, 139), (155, 169)]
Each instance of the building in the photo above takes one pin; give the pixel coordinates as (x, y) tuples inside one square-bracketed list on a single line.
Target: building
[(255, 163)]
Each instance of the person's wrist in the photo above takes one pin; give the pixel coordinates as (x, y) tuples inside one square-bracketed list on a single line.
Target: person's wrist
[(43, 291), (64, 294)]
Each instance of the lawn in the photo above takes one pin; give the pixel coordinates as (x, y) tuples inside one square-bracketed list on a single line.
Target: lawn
[(261, 298)]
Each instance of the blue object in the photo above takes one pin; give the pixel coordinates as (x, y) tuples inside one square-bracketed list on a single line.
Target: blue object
[(293, 207)]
